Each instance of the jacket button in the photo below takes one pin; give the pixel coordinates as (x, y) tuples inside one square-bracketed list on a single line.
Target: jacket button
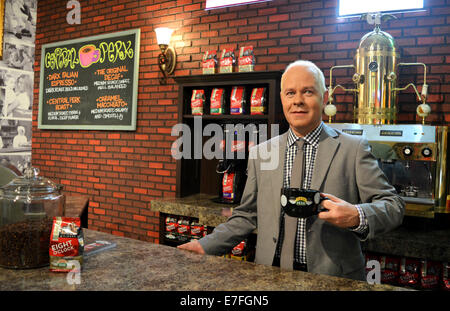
[(274, 240)]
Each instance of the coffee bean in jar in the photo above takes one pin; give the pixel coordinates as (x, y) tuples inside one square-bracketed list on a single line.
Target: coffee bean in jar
[(27, 207), (25, 244)]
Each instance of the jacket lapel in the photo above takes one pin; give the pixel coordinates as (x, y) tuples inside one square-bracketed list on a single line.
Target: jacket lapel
[(278, 150), (327, 149)]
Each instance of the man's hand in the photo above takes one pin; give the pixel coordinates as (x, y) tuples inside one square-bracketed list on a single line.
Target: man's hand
[(193, 246), (340, 213)]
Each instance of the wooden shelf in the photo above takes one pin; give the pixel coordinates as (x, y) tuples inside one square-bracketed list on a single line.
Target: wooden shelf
[(240, 78), (199, 175), (228, 117)]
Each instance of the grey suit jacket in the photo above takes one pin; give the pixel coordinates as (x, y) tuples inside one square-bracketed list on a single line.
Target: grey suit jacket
[(344, 167)]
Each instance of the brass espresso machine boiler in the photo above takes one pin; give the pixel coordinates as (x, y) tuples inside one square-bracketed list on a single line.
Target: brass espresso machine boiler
[(413, 156)]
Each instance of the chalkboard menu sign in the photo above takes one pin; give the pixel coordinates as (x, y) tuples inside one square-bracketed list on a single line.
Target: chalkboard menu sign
[(90, 83)]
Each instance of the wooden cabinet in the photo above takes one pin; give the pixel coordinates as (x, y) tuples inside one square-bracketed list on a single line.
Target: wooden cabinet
[(197, 174)]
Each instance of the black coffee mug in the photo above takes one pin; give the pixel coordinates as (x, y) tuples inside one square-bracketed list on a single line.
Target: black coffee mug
[(301, 203)]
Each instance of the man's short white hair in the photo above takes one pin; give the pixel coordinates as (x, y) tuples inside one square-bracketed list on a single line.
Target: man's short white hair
[(320, 78)]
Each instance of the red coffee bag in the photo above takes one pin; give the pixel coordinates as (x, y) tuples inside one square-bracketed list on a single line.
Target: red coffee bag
[(258, 101), (66, 244), (446, 276), (198, 102), (389, 269), (237, 100), (197, 230), (409, 272), (246, 61), (171, 227), (209, 64), (227, 60), (217, 101), (430, 274)]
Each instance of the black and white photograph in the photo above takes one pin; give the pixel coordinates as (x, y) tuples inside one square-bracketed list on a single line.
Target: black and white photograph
[(18, 93), (17, 161), (20, 19), (17, 55), (16, 82)]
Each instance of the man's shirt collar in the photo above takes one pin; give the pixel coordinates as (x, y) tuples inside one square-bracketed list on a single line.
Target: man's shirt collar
[(311, 138)]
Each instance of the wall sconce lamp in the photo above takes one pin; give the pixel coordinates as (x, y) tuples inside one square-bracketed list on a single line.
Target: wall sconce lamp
[(167, 59)]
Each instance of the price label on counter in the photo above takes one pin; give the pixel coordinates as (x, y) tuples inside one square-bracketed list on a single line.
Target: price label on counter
[(90, 83)]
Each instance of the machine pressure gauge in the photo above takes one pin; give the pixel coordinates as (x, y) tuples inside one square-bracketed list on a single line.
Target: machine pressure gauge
[(426, 152), (407, 151), (373, 66)]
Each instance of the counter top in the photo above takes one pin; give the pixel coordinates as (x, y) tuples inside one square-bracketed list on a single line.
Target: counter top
[(432, 245), (139, 265), (199, 206)]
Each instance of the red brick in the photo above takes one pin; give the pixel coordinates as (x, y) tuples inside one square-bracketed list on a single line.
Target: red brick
[(430, 40), (153, 234), (139, 218), (99, 211), (126, 150), (311, 39), (118, 7), (114, 136), (100, 148), (155, 165), (300, 31), (162, 173), (120, 195), (278, 18)]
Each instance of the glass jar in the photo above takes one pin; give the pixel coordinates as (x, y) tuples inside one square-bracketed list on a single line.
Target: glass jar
[(27, 207)]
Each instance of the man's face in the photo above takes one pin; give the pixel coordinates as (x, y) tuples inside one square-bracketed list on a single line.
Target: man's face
[(302, 100)]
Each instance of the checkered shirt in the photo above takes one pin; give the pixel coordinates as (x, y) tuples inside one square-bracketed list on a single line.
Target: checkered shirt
[(309, 149)]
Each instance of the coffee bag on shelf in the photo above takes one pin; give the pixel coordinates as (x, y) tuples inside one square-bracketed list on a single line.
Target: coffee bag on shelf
[(409, 272), (258, 101), (171, 227), (390, 267), (217, 101), (183, 229), (446, 276), (246, 61), (197, 230), (198, 102), (227, 60), (430, 272), (209, 63), (238, 100)]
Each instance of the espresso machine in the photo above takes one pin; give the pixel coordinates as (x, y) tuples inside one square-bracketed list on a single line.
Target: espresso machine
[(412, 156)]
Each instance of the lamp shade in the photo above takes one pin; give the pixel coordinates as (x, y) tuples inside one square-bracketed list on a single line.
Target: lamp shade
[(163, 35)]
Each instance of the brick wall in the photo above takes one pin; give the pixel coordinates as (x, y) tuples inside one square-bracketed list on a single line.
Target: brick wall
[(122, 171)]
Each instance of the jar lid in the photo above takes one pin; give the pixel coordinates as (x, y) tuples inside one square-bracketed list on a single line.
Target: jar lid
[(30, 186)]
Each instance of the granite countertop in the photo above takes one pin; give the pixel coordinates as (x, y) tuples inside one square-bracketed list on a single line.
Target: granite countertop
[(199, 206), (139, 265), (432, 245)]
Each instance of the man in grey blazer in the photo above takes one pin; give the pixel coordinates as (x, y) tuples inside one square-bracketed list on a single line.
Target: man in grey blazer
[(361, 205)]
